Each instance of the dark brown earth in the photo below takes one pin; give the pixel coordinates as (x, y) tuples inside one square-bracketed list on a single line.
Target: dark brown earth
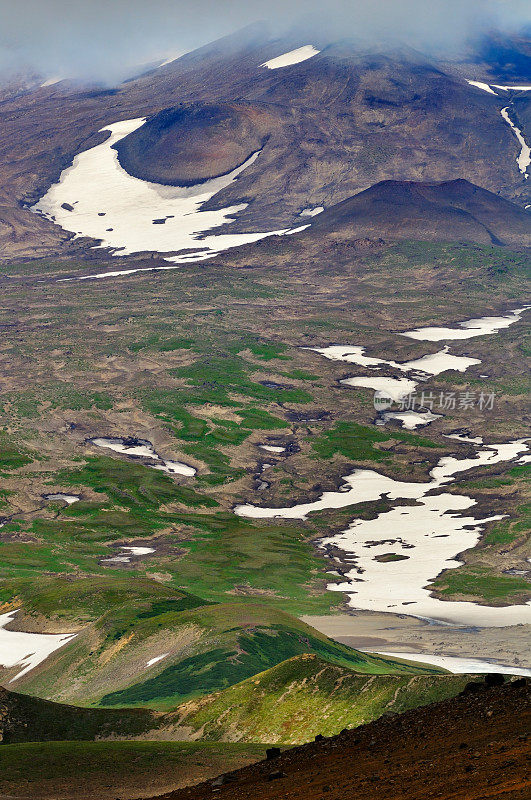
[(450, 211), (190, 144), (473, 747)]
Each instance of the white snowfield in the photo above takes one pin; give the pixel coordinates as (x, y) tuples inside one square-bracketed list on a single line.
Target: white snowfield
[(525, 88), (429, 534), (311, 212), (145, 449), (433, 364), (471, 666), (66, 498), (524, 158), (487, 87), (26, 650), (95, 197), (293, 57), (156, 659), (128, 552), (272, 448), (484, 326), (411, 420), (480, 85), (395, 388), (50, 82)]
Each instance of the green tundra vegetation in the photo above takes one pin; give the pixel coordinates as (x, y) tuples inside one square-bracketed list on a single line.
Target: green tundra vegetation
[(195, 361), (107, 769), (206, 648)]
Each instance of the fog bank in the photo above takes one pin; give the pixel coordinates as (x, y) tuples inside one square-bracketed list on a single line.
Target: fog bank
[(107, 41)]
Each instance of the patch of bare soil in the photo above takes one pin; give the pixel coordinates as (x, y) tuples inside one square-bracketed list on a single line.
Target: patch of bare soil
[(473, 747)]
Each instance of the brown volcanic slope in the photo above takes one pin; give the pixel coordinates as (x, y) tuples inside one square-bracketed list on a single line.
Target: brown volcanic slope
[(473, 747), (449, 211), (343, 121), (189, 144)]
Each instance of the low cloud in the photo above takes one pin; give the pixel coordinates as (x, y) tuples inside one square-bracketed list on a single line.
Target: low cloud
[(106, 40)]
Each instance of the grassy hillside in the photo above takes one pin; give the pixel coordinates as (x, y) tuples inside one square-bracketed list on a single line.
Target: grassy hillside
[(289, 703), (99, 770), (304, 696), (205, 649), (30, 719), (70, 603)]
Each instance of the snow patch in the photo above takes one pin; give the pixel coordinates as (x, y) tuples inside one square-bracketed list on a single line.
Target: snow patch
[(480, 85), (311, 212), (524, 159), (457, 665), (156, 659), (411, 419), (140, 448), (513, 88), (395, 388), (96, 197), (66, 498), (431, 532), (51, 82), (26, 650), (484, 326), (293, 57)]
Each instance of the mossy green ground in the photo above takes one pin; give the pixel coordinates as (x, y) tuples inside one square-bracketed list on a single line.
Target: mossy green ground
[(294, 701), (211, 360), (115, 769)]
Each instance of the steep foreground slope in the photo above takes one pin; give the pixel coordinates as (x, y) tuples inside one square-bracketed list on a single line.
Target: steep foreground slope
[(471, 747)]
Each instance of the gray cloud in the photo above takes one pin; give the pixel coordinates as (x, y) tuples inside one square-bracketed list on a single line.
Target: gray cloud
[(106, 40)]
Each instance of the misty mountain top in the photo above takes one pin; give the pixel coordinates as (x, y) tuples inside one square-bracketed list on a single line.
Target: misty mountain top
[(108, 43)]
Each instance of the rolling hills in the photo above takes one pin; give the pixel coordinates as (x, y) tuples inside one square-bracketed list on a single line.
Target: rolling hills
[(306, 696), (288, 703), (150, 653)]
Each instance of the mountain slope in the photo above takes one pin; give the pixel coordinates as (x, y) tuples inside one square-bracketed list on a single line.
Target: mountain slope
[(146, 654), (337, 123), (289, 703), (449, 211), (465, 748), (294, 701), (190, 144), (29, 719)]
